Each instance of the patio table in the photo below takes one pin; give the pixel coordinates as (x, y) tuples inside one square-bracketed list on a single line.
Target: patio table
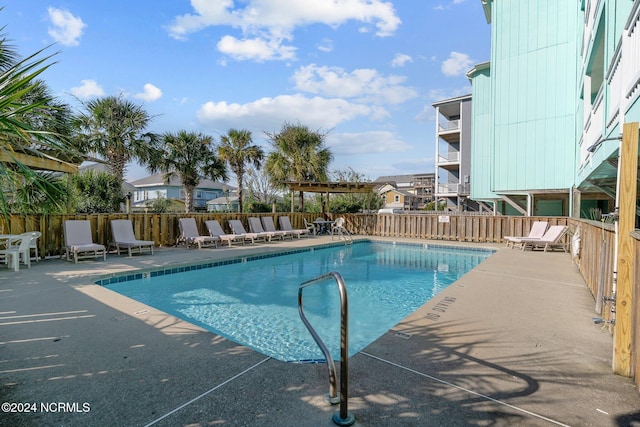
[(324, 226)]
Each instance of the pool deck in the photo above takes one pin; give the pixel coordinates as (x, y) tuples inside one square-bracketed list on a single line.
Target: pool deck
[(512, 343)]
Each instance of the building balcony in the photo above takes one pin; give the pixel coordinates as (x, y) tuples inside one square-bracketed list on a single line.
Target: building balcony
[(451, 157), (448, 125), (445, 190)]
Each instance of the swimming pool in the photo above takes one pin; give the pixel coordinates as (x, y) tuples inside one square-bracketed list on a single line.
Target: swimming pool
[(253, 300)]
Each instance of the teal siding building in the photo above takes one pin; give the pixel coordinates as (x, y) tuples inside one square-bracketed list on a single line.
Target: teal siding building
[(526, 136), (549, 106)]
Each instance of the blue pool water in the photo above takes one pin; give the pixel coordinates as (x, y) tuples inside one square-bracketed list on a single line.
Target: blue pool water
[(253, 301)]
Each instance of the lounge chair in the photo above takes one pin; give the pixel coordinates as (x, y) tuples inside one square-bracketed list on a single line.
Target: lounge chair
[(124, 238), (553, 238), (270, 227), (79, 243), (215, 230), (239, 230), (538, 229), (285, 224), (255, 225), (190, 235)]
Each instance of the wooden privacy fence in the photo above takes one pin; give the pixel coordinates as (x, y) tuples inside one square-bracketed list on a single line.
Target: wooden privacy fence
[(163, 228), (595, 259)]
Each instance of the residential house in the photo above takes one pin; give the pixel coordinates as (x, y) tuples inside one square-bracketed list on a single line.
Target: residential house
[(407, 192), (226, 203), (154, 187)]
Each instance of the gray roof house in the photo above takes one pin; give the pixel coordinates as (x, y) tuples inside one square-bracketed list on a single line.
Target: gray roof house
[(154, 186)]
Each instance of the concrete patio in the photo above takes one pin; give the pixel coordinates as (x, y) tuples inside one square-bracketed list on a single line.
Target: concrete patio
[(512, 343)]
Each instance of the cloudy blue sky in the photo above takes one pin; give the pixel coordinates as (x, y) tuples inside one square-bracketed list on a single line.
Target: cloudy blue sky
[(365, 71)]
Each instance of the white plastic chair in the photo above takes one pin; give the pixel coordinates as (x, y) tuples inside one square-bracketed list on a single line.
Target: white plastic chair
[(34, 244), (19, 250)]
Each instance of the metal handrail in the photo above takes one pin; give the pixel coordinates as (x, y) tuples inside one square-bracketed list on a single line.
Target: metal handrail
[(343, 417)]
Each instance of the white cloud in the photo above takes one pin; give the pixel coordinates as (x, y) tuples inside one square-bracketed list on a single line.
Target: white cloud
[(457, 64), (272, 22), (364, 84), (257, 49), (151, 93), (268, 114), (66, 29), (366, 143), (326, 45), (400, 60), (89, 89)]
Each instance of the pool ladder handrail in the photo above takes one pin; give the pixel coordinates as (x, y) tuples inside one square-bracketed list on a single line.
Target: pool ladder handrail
[(343, 417), (342, 233)]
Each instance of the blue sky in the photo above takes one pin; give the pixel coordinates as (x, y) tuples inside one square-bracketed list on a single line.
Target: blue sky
[(364, 71)]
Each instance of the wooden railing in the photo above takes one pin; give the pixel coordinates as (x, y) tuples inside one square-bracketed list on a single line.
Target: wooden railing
[(595, 259)]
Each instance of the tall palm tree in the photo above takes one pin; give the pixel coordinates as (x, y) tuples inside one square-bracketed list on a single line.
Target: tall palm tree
[(114, 129), (188, 155), (32, 124), (237, 150), (299, 155)]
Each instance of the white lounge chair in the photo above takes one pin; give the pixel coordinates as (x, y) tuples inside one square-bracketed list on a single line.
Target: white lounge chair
[(255, 226), (190, 235), (239, 230), (79, 243), (285, 224), (553, 238), (124, 238), (270, 227), (215, 230), (538, 229)]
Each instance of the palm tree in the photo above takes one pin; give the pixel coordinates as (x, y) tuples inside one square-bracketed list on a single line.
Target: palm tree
[(299, 155), (188, 155), (32, 131), (237, 150), (114, 129)]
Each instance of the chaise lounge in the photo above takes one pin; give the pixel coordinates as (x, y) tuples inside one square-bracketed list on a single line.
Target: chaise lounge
[(215, 230), (78, 242), (285, 224), (553, 238), (538, 229), (124, 238), (239, 230), (190, 235)]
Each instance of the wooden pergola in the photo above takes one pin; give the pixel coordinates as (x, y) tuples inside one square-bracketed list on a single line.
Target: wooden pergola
[(44, 162), (327, 188)]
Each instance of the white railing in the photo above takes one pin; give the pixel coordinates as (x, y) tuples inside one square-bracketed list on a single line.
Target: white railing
[(448, 125), (614, 80), (457, 189), (451, 157)]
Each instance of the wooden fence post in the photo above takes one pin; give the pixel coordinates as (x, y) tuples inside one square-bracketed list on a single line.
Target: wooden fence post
[(627, 191)]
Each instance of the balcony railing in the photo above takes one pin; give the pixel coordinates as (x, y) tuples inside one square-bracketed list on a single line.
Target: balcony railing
[(451, 157), (447, 125), (455, 189)]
